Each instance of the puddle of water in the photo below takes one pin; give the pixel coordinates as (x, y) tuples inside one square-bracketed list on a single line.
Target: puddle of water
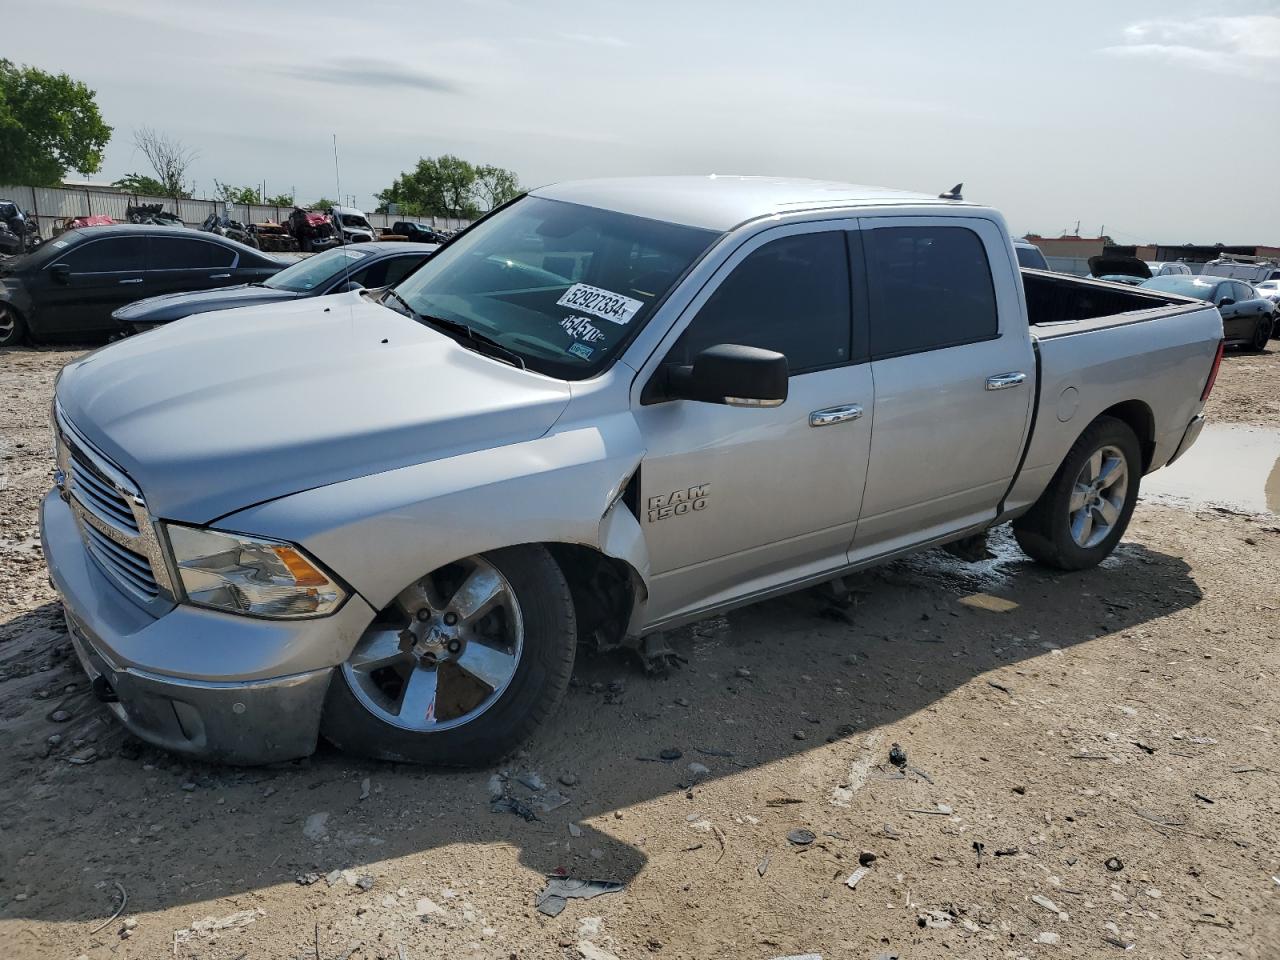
[(1230, 465)]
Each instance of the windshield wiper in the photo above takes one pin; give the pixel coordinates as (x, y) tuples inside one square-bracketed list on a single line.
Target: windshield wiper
[(480, 342)]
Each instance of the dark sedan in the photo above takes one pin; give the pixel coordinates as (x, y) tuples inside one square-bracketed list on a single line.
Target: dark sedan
[(1246, 317), (417, 231), (67, 289), (346, 268)]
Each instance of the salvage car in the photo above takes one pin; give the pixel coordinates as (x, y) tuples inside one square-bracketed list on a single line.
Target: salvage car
[(604, 410), (1127, 270), (347, 268), (417, 231), (68, 288), (1247, 317), (353, 225)]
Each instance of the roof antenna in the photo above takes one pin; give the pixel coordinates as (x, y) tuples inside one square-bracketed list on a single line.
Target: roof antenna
[(953, 193)]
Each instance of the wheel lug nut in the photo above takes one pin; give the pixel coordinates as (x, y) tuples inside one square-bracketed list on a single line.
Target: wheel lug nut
[(454, 646), (451, 618), (423, 615)]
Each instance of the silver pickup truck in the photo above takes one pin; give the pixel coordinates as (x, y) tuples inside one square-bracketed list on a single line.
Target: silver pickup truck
[(606, 409)]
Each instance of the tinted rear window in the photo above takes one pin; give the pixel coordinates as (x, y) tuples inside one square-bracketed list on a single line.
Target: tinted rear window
[(184, 253), (929, 287)]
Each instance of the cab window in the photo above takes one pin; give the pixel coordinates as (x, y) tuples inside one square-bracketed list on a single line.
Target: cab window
[(791, 296), (930, 287)]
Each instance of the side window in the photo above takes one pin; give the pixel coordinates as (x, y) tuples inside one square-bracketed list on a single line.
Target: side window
[(790, 295), (110, 255), (185, 253), (400, 267), (1244, 292), (929, 287)]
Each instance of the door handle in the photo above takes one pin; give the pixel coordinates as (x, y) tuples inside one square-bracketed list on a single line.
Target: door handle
[(841, 414), (137, 280), (219, 276), (1003, 381)]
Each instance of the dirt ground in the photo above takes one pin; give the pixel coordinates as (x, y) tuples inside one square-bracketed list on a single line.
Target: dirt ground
[(1090, 765)]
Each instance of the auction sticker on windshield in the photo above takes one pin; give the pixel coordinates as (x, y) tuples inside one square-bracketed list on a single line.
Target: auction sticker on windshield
[(603, 303)]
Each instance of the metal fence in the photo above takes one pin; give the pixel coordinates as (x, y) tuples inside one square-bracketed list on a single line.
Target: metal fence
[(52, 205)]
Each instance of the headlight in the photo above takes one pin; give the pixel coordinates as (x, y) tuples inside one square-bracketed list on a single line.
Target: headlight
[(240, 574)]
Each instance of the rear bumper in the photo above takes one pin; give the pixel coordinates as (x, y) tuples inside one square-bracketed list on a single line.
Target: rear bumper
[(1189, 436), (219, 686)]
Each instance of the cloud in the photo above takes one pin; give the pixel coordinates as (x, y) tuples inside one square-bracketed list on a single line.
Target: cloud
[(362, 73), (1243, 46)]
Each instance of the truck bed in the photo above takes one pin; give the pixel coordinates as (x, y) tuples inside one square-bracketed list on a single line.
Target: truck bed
[(1103, 348)]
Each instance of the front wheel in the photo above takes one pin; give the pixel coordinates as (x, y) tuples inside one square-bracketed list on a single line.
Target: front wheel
[(461, 666), (1082, 515), (12, 329)]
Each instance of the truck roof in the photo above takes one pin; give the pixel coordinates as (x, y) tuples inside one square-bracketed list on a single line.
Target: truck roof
[(720, 202)]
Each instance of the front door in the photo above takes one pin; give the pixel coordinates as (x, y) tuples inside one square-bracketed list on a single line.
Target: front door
[(101, 275), (734, 500), (954, 375)]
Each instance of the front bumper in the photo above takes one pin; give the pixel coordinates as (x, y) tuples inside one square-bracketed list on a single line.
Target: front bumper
[(218, 686)]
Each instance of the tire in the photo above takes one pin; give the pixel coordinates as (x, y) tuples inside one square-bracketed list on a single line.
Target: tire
[(12, 328), (1048, 532), (463, 725), (1261, 335)]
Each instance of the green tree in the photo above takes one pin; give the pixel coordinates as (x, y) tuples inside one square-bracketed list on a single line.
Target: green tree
[(495, 186), (323, 204), (280, 200), (49, 124), (229, 194), (438, 186), (140, 183)]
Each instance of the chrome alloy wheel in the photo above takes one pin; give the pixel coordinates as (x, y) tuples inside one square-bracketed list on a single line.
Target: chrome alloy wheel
[(446, 654), (1098, 496), (8, 323)]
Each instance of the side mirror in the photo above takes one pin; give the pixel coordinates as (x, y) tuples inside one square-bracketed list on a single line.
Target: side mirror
[(1226, 302), (732, 374), (60, 272), (349, 286)]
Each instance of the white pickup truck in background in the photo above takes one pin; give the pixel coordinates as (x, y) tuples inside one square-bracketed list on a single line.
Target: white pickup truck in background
[(607, 408)]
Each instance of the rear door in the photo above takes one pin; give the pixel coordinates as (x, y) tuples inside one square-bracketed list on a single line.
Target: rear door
[(388, 271), (103, 274), (954, 375), (1237, 323), (735, 499), (178, 262)]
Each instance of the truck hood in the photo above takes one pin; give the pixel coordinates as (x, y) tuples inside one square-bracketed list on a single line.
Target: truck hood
[(175, 306), (215, 414)]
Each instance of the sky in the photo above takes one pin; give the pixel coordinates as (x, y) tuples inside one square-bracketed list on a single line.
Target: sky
[(1159, 121)]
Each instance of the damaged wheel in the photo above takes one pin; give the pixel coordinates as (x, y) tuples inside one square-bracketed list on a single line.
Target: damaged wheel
[(462, 666)]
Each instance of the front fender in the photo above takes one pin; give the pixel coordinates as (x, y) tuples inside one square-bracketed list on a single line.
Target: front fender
[(381, 532)]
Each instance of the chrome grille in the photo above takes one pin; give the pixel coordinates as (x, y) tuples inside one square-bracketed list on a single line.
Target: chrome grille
[(99, 494), (131, 569), (113, 520)]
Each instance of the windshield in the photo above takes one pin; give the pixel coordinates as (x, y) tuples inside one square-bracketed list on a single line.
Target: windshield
[(313, 272), (1269, 286), (351, 220), (1030, 257), (563, 286), (1184, 285)]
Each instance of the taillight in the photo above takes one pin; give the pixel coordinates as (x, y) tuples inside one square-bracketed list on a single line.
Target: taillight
[(1213, 372)]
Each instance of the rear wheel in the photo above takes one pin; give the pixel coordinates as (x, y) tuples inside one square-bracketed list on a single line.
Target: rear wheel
[(12, 329), (1261, 334), (462, 666), (1082, 515)]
